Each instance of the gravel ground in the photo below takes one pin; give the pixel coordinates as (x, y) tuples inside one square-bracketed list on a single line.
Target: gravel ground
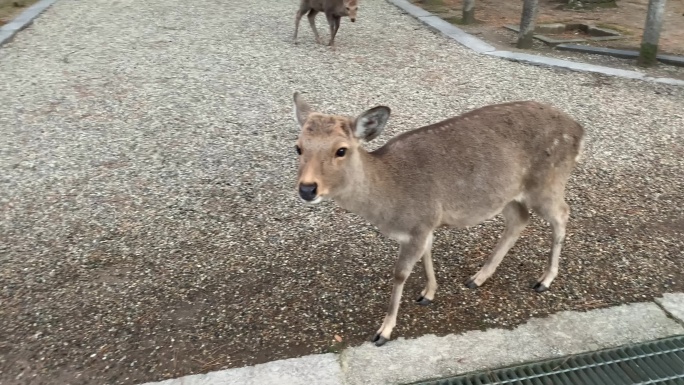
[(148, 217)]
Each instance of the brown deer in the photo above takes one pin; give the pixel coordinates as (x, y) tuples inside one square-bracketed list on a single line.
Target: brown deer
[(505, 158), (333, 9)]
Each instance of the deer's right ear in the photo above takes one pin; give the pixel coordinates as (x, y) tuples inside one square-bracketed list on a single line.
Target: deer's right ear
[(301, 109), (370, 124)]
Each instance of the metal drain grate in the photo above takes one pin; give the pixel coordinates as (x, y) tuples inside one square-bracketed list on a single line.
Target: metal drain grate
[(658, 362)]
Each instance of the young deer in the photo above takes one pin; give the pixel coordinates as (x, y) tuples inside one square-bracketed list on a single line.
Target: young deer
[(505, 158), (333, 9)]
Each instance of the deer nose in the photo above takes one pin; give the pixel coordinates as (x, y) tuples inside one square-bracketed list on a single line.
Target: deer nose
[(308, 191), (353, 19)]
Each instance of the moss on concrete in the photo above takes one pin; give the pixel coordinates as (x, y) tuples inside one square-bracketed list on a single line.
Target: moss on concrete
[(525, 42), (648, 55)]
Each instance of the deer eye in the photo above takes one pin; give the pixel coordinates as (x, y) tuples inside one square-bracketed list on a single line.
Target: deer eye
[(299, 150), (341, 152)]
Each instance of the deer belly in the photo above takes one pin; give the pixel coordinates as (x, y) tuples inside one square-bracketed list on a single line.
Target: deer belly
[(469, 217)]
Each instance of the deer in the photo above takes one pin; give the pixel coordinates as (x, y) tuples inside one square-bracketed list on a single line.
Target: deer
[(509, 159), (334, 11)]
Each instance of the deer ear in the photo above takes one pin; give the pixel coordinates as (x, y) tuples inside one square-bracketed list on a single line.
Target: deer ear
[(369, 125), (301, 109)]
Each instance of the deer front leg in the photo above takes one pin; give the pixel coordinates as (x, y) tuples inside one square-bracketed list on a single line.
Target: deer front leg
[(428, 294), (312, 23), (409, 254), (298, 17), (332, 24), (333, 29)]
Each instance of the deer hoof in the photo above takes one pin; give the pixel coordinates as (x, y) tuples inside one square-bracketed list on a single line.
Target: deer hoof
[(422, 301), (540, 287), (470, 284), (379, 340)]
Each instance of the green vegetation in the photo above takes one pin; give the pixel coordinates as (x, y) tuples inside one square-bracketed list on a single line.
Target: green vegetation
[(9, 9), (647, 55)]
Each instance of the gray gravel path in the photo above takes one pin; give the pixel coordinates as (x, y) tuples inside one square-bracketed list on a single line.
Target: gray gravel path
[(148, 222)]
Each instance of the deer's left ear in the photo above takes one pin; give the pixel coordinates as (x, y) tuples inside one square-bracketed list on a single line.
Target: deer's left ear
[(369, 125)]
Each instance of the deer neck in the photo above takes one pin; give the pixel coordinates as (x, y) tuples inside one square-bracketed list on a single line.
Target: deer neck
[(367, 188), (340, 9)]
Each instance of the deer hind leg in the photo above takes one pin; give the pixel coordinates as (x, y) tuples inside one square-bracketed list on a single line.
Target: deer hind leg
[(517, 216), (428, 294), (556, 212), (409, 254), (312, 23)]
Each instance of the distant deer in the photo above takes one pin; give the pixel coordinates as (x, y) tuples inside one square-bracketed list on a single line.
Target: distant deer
[(505, 158), (333, 9)]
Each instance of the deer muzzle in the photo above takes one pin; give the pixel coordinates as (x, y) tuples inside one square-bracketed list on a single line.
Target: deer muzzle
[(308, 192)]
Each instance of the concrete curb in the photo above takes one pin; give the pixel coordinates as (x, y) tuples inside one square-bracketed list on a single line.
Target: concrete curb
[(404, 361), (673, 60), (9, 30), (673, 305), (319, 369), (482, 47)]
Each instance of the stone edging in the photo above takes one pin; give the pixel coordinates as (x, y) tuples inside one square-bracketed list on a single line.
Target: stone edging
[(9, 30), (405, 361), (482, 47)]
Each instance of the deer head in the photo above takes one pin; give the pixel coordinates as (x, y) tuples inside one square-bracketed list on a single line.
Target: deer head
[(329, 148)]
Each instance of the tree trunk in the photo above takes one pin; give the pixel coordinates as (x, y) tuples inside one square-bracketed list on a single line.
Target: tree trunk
[(529, 14), (468, 11), (649, 41)]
